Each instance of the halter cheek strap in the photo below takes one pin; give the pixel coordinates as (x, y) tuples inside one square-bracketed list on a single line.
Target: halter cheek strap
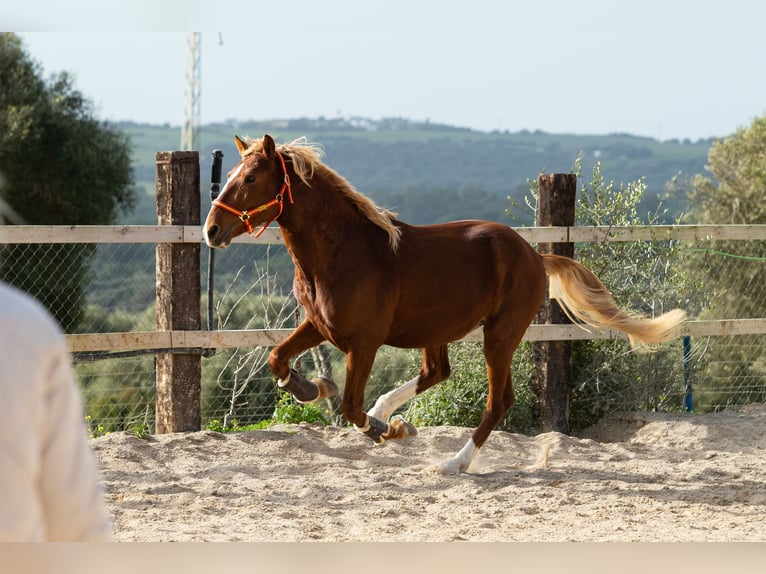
[(278, 201)]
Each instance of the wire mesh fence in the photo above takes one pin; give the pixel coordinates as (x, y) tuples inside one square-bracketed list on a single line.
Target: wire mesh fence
[(107, 288), (728, 370)]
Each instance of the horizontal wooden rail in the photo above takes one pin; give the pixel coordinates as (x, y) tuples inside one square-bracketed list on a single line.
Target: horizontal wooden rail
[(118, 234), (193, 234), (41, 234), (150, 340)]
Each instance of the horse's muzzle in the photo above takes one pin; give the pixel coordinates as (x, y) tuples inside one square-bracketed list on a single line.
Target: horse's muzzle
[(215, 238)]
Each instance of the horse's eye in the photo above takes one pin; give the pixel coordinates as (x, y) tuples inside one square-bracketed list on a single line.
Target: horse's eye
[(249, 179)]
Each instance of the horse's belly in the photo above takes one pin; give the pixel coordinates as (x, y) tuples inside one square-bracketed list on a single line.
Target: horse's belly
[(430, 333)]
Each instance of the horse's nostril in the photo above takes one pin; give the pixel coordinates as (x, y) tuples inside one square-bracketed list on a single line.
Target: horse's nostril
[(211, 232)]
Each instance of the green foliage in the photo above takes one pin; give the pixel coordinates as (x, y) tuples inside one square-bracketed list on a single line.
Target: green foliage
[(460, 400), (59, 166), (119, 394), (56, 275), (287, 411), (140, 430), (95, 430), (216, 425), (734, 272), (122, 278), (736, 193), (643, 276), (422, 206)]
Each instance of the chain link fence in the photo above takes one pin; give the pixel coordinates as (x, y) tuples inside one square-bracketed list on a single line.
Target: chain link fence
[(728, 370), (107, 288)]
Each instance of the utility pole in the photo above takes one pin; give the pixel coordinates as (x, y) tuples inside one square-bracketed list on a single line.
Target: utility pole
[(190, 131)]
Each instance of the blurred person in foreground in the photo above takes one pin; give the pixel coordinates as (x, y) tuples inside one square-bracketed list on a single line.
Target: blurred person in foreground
[(49, 482)]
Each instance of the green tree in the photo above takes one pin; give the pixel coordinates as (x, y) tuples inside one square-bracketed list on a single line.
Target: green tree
[(736, 192), (59, 166), (734, 272), (733, 193)]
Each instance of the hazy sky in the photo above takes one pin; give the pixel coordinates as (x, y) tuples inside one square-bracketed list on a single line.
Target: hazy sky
[(664, 69)]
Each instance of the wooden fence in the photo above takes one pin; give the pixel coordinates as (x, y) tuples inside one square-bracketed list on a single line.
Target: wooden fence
[(202, 339), (179, 241)]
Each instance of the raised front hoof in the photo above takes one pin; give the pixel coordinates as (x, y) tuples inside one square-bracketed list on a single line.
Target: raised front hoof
[(305, 391), (327, 388), (400, 429)]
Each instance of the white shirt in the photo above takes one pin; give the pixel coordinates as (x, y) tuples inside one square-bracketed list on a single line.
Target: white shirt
[(49, 483)]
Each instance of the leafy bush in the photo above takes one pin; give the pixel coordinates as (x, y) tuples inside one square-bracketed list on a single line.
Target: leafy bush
[(461, 399), (287, 411)]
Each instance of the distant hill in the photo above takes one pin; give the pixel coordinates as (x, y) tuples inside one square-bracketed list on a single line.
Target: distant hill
[(430, 173)]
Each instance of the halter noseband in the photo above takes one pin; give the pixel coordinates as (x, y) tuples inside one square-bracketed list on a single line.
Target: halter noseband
[(244, 216)]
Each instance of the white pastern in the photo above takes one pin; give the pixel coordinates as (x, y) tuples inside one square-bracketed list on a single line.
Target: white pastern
[(461, 461), (392, 400)]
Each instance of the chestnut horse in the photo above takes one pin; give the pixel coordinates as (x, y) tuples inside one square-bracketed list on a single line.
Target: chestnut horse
[(366, 279)]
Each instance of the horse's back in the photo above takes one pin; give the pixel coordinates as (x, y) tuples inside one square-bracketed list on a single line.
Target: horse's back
[(482, 247), (454, 276)]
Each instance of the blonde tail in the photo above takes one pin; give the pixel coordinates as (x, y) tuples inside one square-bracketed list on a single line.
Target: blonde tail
[(584, 297)]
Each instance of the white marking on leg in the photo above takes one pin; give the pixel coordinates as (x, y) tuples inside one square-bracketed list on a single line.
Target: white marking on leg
[(392, 400), (461, 461)]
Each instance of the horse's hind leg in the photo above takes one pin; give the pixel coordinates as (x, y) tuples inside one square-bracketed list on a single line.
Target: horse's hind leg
[(435, 368), (498, 354)]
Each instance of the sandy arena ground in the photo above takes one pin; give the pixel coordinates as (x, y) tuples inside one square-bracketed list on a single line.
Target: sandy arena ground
[(637, 477)]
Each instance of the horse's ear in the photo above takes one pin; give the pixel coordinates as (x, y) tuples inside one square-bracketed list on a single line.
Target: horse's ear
[(268, 147), (241, 144)]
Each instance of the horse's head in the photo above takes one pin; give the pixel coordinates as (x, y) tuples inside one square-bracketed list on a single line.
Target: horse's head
[(253, 194)]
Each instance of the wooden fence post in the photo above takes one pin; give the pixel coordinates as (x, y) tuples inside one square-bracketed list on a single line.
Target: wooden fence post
[(552, 378), (178, 292)]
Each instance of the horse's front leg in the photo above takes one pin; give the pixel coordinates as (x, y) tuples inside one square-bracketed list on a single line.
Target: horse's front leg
[(304, 337)]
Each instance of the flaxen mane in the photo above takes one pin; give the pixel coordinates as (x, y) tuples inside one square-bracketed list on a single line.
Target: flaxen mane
[(307, 158)]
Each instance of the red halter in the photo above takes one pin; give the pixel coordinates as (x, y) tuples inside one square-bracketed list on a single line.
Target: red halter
[(244, 216)]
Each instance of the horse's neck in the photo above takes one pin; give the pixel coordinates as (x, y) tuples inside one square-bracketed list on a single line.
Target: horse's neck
[(317, 227)]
